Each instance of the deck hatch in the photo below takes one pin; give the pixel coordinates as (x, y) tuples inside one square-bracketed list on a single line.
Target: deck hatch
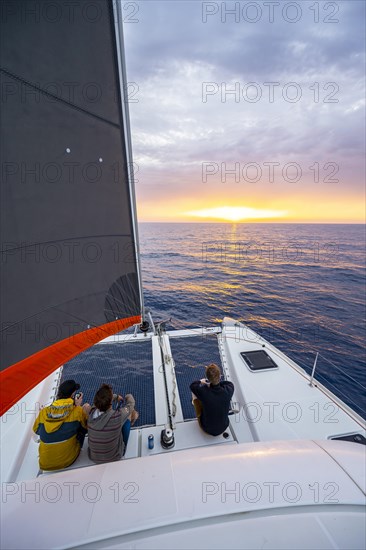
[(258, 360)]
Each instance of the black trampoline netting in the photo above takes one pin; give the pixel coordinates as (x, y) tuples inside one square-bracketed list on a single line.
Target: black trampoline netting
[(126, 366), (191, 356)]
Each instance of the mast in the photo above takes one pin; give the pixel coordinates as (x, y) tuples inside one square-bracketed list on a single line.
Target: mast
[(118, 24)]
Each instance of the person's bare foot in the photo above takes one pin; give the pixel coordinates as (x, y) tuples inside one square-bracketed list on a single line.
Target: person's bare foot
[(134, 417)]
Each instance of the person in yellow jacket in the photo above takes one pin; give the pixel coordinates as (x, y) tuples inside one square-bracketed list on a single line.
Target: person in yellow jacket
[(62, 427)]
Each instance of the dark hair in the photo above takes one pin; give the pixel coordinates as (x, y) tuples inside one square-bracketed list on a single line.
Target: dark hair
[(103, 398), (67, 388), (213, 374)]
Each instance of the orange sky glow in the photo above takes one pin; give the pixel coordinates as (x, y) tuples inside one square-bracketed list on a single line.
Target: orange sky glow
[(247, 123), (292, 210)]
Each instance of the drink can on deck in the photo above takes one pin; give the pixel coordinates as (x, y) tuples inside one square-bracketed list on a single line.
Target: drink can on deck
[(150, 440)]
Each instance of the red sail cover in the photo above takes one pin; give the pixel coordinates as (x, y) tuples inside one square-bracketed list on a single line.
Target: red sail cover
[(68, 244), (19, 379)]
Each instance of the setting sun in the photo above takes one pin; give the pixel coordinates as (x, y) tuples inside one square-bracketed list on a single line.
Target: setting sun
[(236, 213)]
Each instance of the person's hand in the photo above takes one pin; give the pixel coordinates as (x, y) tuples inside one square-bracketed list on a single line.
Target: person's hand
[(204, 381), (120, 398), (78, 400)]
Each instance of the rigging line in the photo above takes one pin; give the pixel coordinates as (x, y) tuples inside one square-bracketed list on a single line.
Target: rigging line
[(342, 393), (329, 329), (195, 333), (170, 358), (174, 404), (223, 362), (233, 404), (326, 380), (337, 391), (25, 245), (283, 356), (333, 364), (59, 99), (165, 380), (289, 361), (344, 373)]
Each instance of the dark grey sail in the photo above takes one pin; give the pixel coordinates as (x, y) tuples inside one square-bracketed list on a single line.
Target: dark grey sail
[(68, 235)]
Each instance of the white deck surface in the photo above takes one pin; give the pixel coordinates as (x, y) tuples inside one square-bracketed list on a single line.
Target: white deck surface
[(281, 404), (169, 491), (239, 492)]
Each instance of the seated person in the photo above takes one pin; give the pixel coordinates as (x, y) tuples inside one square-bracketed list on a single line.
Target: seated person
[(62, 428), (211, 400), (108, 428)]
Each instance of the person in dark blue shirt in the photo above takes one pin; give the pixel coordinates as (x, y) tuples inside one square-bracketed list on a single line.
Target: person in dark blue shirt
[(212, 401)]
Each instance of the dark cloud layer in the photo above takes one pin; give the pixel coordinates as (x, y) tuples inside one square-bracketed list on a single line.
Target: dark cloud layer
[(171, 53), (175, 30)]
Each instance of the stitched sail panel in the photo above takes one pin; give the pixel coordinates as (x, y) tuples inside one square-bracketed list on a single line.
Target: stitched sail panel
[(67, 240)]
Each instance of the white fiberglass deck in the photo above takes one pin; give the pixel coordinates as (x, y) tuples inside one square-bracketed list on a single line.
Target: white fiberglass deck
[(281, 403), (275, 464), (269, 405), (175, 499)]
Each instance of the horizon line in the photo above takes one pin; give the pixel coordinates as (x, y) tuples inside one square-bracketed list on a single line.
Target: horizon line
[(255, 223)]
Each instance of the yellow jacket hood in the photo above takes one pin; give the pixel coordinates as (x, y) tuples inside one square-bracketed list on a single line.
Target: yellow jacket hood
[(57, 413)]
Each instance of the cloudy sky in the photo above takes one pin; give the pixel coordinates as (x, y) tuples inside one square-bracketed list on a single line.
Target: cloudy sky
[(247, 110)]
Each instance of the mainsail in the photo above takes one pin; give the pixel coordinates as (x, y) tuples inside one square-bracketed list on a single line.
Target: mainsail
[(69, 247)]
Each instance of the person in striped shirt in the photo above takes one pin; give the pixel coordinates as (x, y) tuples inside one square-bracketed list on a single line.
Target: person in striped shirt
[(108, 427)]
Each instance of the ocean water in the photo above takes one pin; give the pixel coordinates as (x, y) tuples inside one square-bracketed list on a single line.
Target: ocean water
[(301, 286)]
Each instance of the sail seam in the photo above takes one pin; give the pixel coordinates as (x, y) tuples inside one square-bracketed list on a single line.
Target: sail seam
[(25, 245), (56, 98), (57, 307)]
